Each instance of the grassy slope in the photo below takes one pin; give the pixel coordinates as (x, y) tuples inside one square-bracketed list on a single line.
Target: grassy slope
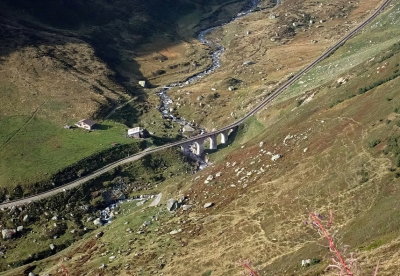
[(377, 37), (44, 148)]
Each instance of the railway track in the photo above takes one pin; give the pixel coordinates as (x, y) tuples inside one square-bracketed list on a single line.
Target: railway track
[(256, 109)]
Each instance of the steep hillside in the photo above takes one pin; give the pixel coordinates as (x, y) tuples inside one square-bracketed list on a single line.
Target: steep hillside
[(329, 144), (62, 61)]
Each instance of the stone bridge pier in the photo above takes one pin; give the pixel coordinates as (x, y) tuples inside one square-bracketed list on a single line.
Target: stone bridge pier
[(198, 146)]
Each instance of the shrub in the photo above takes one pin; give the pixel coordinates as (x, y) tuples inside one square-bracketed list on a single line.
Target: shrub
[(397, 160), (374, 143), (378, 83), (58, 230), (213, 96)]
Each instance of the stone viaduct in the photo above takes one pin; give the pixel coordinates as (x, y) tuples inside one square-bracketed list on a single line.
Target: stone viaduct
[(197, 144)]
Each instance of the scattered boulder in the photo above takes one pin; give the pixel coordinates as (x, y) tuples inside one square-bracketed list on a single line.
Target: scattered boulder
[(276, 157), (187, 128), (248, 62), (140, 203), (156, 200), (20, 228), (181, 200), (142, 83), (174, 232), (52, 246), (208, 204), (172, 205), (272, 16), (308, 262), (97, 221), (25, 218), (186, 207), (208, 179), (146, 223), (342, 80), (31, 274), (8, 233)]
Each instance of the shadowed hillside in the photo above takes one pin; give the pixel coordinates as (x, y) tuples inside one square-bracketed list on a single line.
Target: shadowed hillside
[(62, 61)]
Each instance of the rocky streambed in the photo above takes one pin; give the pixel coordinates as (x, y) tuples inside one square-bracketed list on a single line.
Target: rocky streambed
[(165, 99)]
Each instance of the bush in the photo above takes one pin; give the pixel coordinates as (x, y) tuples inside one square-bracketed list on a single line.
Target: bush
[(336, 102), (378, 83), (213, 96), (58, 230), (397, 160), (17, 192), (374, 143)]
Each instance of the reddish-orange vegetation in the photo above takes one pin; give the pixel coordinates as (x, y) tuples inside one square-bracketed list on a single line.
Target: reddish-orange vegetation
[(249, 270), (345, 266)]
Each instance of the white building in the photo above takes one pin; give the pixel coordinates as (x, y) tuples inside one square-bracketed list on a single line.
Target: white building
[(86, 124), (136, 132)]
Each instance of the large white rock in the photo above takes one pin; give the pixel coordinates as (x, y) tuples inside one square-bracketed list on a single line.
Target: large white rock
[(276, 157), (187, 128), (97, 221), (186, 207), (8, 233), (172, 205), (174, 232)]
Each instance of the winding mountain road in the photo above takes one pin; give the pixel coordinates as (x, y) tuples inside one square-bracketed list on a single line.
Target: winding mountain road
[(256, 109)]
